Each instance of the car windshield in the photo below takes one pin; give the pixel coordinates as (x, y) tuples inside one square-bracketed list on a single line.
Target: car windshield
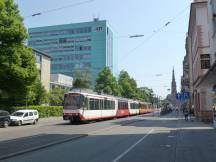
[(17, 114)]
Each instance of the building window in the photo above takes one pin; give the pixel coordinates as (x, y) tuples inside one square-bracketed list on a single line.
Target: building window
[(62, 40), (60, 32), (205, 61), (99, 28)]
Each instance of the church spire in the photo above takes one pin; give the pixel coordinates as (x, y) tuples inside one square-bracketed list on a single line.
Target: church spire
[(173, 86)]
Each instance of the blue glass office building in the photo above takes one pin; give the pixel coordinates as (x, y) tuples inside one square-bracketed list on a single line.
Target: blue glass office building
[(76, 47)]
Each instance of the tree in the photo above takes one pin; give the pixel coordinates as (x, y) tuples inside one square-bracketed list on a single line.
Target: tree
[(128, 86), (56, 96), (147, 94), (41, 95), (18, 70), (82, 79), (107, 83)]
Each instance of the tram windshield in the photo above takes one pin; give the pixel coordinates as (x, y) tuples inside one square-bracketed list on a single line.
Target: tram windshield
[(73, 101)]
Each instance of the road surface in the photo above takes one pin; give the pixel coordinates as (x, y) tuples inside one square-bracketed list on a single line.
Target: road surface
[(133, 139)]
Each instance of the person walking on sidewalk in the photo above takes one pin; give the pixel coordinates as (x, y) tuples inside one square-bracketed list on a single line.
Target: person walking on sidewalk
[(190, 114), (186, 113)]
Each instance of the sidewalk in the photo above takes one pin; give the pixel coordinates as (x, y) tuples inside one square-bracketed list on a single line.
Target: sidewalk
[(196, 141)]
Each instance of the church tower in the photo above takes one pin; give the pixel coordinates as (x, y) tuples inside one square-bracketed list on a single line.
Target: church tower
[(173, 85)]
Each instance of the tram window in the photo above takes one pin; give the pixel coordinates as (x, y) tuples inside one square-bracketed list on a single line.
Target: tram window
[(85, 105), (101, 104), (119, 105), (91, 104), (96, 105), (122, 105), (106, 104), (109, 105), (125, 105), (113, 105)]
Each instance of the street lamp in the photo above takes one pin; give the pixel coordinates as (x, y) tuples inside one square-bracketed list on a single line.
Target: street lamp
[(159, 75), (136, 36)]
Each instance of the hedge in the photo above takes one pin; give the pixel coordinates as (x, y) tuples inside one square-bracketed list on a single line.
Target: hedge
[(45, 111)]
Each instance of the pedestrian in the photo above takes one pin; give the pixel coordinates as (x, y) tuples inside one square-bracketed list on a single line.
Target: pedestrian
[(177, 112), (186, 113)]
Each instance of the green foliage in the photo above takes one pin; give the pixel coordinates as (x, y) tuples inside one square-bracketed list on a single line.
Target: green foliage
[(56, 96), (147, 94), (107, 83), (18, 70), (125, 87), (45, 111), (40, 94), (128, 86), (82, 79)]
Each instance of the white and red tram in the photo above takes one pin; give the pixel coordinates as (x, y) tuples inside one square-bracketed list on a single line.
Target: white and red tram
[(84, 106)]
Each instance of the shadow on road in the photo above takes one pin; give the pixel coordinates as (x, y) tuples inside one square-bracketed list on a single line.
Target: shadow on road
[(25, 143), (185, 145)]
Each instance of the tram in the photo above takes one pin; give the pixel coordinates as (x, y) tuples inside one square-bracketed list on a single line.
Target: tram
[(89, 106)]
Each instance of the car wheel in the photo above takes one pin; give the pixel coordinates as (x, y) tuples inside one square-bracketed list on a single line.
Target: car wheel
[(19, 123), (6, 123), (35, 122)]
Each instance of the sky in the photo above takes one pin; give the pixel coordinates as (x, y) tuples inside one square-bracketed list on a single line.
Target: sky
[(149, 59)]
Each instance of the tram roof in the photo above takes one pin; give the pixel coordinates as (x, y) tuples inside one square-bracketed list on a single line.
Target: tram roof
[(93, 93)]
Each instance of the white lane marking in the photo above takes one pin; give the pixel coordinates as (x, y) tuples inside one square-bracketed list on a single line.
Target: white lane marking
[(170, 136), (165, 145), (131, 147)]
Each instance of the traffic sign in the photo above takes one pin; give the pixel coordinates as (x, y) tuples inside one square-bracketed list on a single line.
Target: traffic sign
[(183, 96)]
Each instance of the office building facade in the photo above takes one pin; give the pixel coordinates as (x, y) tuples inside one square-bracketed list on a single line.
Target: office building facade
[(43, 66), (76, 47)]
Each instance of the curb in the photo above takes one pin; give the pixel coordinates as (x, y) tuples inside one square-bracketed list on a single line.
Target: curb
[(41, 147)]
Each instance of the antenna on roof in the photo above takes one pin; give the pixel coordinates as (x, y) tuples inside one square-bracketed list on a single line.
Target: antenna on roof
[(96, 19)]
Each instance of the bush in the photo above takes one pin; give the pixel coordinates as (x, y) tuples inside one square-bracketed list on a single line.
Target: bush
[(45, 111)]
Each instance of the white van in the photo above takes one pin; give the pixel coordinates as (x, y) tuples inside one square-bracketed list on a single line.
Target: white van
[(24, 117)]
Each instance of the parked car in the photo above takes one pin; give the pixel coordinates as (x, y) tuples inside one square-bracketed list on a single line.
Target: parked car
[(24, 117), (4, 118)]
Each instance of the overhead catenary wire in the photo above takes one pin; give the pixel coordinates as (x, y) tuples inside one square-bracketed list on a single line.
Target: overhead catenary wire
[(155, 32), (59, 8)]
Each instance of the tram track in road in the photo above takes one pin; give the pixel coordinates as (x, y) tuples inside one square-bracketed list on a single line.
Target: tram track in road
[(26, 142)]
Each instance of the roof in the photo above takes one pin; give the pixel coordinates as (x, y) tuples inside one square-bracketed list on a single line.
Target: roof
[(26, 110), (69, 24), (3, 111), (105, 95), (41, 52)]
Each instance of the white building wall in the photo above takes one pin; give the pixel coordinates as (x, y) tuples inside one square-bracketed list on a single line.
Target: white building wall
[(45, 72), (61, 80)]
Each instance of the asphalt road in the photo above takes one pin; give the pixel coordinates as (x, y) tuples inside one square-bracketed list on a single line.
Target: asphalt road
[(134, 139)]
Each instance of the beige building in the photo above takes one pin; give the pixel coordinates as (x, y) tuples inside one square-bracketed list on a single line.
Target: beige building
[(200, 58), (43, 65), (200, 55)]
